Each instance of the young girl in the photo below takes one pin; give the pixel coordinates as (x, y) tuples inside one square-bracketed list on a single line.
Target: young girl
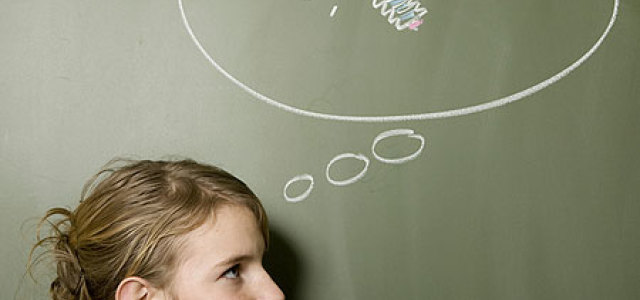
[(160, 230)]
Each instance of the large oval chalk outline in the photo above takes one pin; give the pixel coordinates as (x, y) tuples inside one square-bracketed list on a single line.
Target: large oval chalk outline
[(409, 117)]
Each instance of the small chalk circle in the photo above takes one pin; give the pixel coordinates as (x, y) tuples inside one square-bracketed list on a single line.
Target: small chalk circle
[(302, 196)]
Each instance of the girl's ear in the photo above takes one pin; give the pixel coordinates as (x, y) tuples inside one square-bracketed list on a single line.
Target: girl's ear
[(136, 288)]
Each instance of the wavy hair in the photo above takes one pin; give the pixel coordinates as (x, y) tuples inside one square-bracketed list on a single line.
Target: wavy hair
[(132, 223)]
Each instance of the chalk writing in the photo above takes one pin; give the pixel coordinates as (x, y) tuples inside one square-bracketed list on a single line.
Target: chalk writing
[(403, 14)]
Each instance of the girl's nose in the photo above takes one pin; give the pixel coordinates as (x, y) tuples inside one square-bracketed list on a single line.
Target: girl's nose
[(268, 289)]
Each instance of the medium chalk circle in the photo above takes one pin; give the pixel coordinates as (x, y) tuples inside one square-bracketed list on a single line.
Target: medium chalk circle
[(352, 179), (303, 195), (397, 132)]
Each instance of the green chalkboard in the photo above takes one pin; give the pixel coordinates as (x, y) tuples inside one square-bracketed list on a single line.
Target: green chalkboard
[(403, 149)]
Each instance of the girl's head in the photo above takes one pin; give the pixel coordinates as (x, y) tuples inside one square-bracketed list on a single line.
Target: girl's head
[(161, 230)]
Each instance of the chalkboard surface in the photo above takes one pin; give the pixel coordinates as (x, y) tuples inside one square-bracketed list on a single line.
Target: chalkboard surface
[(403, 149)]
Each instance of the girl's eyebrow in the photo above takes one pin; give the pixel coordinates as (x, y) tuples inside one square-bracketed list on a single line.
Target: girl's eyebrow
[(234, 260)]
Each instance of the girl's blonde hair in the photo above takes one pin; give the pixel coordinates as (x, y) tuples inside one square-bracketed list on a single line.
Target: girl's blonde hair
[(131, 222)]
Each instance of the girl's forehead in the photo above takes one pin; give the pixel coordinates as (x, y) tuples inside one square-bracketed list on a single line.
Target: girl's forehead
[(232, 230)]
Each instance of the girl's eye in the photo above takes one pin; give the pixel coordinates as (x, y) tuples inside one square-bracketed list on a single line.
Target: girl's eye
[(232, 273)]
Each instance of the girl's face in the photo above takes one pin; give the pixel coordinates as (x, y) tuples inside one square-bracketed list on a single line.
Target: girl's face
[(223, 260)]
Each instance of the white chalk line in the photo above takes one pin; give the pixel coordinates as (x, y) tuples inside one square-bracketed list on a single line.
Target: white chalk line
[(333, 11), (353, 179), (408, 117), (397, 132), (302, 196)]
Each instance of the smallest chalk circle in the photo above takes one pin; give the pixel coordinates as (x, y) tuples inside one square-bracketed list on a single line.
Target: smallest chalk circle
[(302, 196)]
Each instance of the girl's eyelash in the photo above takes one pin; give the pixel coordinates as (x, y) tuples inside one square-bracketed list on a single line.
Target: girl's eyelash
[(232, 273)]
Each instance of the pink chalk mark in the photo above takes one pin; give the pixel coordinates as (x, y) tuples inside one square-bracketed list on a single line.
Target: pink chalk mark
[(415, 24)]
